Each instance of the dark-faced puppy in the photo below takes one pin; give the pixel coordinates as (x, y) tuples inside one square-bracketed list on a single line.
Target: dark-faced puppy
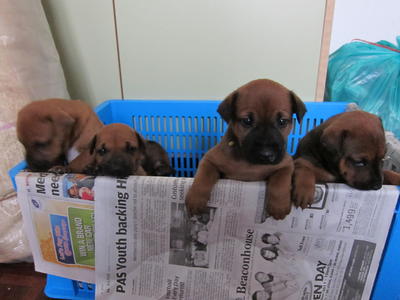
[(116, 150), (347, 148), (156, 162), (52, 129), (253, 148)]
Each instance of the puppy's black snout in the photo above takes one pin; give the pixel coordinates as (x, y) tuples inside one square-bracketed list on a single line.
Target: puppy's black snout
[(117, 166), (268, 153), (376, 186), (41, 165)]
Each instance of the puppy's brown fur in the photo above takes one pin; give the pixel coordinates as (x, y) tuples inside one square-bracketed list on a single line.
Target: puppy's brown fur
[(156, 162), (116, 150), (347, 148), (48, 129), (254, 147)]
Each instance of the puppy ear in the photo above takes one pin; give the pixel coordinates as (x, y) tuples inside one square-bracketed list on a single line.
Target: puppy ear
[(227, 107), (141, 141), (381, 122), (298, 106), (333, 138), (61, 119), (93, 144)]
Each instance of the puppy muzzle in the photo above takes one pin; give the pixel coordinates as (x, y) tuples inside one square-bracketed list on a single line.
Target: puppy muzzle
[(371, 185), (264, 147), (41, 165), (117, 167)]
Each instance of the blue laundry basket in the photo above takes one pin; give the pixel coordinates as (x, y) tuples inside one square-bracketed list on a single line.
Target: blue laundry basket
[(187, 129)]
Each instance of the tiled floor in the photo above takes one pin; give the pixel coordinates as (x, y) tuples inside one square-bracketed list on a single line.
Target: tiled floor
[(21, 282)]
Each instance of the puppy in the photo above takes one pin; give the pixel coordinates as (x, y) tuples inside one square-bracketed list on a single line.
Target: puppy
[(116, 150), (253, 148), (156, 162), (347, 148), (52, 129)]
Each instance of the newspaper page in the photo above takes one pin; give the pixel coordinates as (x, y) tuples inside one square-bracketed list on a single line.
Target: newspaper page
[(149, 248), (58, 214)]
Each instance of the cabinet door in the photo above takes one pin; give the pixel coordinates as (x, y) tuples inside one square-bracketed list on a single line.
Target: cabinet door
[(192, 49), (84, 34)]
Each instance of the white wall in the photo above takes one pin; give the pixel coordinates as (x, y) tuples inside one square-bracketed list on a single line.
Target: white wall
[(372, 20), (84, 35), (190, 49), (185, 49)]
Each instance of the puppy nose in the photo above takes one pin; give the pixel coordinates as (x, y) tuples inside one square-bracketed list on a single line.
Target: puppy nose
[(268, 154)]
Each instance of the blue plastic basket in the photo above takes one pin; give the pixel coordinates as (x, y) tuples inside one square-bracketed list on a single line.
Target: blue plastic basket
[(187, 129)]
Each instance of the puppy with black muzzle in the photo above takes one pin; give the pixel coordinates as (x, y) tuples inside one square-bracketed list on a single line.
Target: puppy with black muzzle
[(253, 148), (54, 131), (347, 148), (116, 150)]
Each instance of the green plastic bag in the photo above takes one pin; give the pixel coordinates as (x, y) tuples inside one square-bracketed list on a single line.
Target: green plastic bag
[(369, 75)]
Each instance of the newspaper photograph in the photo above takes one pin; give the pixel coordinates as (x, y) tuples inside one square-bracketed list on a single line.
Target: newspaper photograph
[(58, 214), (149, 248)]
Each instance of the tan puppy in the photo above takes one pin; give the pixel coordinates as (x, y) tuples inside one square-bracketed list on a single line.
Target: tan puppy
[(253, 148), (50, 129), (347, 148), (116, 150)]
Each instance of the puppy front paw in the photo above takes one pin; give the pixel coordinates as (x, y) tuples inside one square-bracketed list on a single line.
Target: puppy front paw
[(278, 208), (303, 195), (195, 204), (59, 170)]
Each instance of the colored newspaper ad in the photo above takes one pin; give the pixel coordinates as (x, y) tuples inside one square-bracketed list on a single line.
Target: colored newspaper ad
[(58, 213)]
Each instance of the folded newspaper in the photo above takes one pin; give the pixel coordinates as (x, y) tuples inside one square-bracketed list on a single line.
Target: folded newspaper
[(147, 247), (58, 214)]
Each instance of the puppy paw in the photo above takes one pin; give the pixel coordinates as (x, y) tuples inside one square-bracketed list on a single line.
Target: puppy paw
[(59, 170), (278, 208), (195, 204), (303, 195)]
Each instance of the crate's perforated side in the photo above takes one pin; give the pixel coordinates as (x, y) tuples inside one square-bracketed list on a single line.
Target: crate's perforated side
[(185, 138), (62, 288)]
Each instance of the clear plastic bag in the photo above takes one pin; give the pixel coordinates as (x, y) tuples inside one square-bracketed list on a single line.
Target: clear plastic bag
[(369, 75)]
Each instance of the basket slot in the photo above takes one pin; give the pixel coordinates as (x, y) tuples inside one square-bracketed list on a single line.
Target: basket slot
[(307, 129), (291, 150), (294, 126)]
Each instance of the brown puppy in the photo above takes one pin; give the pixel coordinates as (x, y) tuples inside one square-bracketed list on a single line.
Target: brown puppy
[(156, 162), (254, 146), (347, 148), (51, 129), (116, 150)]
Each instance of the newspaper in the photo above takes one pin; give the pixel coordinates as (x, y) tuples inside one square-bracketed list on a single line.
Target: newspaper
[(148, 248), (58, 213)]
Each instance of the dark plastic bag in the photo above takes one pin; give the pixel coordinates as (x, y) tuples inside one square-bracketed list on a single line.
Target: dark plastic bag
[(369, 75)]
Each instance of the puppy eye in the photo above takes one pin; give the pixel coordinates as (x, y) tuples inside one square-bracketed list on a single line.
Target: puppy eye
[(282, 123), (359, 163), (247, 122), (102, 151), (130, 148), (41, 144)]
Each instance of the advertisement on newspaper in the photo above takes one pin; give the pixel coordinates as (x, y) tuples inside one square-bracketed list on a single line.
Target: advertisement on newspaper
[(58, 214), (149, 248)]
